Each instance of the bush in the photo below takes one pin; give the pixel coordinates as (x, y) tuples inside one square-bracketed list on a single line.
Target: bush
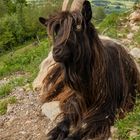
[(7, 30), (22, 25)]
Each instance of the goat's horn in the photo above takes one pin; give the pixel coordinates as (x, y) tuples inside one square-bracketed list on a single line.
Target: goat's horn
[(76, 5), (65, 5)]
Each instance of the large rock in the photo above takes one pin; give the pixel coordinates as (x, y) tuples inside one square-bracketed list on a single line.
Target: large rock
[(135, 52), (45, 65), (51, 110)]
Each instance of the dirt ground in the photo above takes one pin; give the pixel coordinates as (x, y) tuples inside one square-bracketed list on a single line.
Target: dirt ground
[(23, 120)]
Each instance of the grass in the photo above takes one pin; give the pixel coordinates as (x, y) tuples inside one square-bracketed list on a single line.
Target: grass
[(25, 60), (114, 26), (129, 128), (5, 89), (109, 25), (4, 103)]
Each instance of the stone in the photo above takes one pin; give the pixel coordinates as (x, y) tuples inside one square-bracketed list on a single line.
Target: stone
[(27, 87), (135, 16), (133, 133), (126, 41), (10, 122), (135, 52), (130, 36), (44, 67), (22, 132), (10, 108), (51, 109), (135, 28)]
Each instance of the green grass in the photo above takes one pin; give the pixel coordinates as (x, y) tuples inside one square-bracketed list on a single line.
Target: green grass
[(5, 89), (129, 128), (112, 26), (4, 103), (25, 60), (109, 25)]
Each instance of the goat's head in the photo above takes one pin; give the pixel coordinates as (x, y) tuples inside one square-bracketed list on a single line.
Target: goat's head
[(68, 30)]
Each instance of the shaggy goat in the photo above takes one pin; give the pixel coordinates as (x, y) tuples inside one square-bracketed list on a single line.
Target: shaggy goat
[(95, 80)]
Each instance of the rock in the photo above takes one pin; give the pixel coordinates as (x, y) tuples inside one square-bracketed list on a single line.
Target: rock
[(22, 132), (135, 28), (51, 110), (133, 133), (130, 36), (135, 52), (10, 122), (27, 87), (126, 41), (135, 16), (10, 108)]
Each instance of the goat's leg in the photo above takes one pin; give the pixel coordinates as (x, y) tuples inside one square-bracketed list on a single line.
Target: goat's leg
[(72, 114), (60, 131), (95, 126)]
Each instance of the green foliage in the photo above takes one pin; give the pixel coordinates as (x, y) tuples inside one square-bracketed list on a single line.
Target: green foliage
[(8, 29), (7, 7), (4, 103), (109, 25), (21, 24), (129, 128)]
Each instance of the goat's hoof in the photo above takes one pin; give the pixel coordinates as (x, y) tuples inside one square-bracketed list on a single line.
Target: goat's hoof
[(58, 133)]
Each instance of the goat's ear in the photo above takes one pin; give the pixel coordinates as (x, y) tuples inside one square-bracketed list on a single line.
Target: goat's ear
[(87, 11), (43, 21)]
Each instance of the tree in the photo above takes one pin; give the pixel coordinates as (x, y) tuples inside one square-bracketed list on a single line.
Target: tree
[(7, 7)]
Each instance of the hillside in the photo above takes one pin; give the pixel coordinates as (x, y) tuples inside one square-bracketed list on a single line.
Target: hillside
[(114, 5), (20, 109)]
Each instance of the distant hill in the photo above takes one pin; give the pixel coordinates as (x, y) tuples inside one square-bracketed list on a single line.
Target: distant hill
[(114, 5)]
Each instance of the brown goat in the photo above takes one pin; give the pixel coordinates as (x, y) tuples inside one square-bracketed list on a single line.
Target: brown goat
[(95, 80)]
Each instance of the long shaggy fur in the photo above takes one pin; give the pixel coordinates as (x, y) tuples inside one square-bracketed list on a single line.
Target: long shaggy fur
[(96, 81)]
